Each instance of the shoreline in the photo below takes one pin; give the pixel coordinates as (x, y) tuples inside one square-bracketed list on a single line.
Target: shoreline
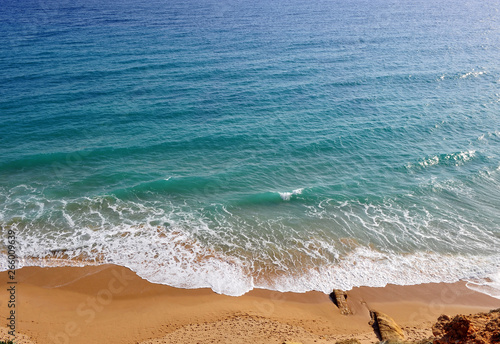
[(112, 304)]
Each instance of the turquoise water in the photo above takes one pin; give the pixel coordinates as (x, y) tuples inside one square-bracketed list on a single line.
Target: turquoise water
[(289, 145)]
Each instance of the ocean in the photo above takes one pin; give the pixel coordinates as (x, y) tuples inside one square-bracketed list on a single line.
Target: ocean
[(290, 145)]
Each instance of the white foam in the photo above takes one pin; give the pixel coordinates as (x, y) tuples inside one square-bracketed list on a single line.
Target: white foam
[(69, 219), (366, 267), (179, 259), (286, 196), (173, 257), (489, 285), (178, 247), (464, 156), (458, 158), (473, 74), (429, 161)]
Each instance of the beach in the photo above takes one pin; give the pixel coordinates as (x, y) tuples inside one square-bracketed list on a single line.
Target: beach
[(111, 304)]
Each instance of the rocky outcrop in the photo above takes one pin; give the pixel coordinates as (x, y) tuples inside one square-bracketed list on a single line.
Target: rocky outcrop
[(339, 297), (386, 327), (481, 328)]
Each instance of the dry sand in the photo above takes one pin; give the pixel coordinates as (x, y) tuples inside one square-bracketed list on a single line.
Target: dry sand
[(111, 304)]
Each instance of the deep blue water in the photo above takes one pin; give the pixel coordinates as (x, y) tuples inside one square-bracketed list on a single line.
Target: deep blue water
[(290, 145)]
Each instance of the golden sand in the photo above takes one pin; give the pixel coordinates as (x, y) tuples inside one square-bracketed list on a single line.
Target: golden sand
[(111, 304)]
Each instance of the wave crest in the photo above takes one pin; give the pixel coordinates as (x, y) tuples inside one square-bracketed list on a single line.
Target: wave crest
[(452, 159)]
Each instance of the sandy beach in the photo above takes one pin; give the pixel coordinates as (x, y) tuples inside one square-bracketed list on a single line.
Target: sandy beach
[(111, 304)]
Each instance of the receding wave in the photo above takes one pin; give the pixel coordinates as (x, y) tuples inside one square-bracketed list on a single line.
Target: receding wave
[(489, 285), (178, 258)]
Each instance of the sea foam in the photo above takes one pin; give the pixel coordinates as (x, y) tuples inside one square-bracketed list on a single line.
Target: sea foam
[(286, 196), (177, 258)]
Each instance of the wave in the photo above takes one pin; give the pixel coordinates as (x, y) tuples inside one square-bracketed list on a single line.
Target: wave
[(286, 196), (334, 244), (473, 74), (451, 159), (489, 285), (269, 197), (180, 259), (463, 75), (298, 246)]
